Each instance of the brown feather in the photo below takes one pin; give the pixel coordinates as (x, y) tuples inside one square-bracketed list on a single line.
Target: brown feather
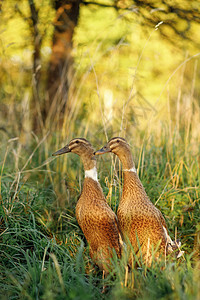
[(96, 219), (98, 223), (139, 220)]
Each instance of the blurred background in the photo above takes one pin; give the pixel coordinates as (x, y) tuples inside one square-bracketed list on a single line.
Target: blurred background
[(90, 67)]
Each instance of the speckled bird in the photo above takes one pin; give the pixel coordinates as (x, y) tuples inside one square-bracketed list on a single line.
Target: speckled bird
[(95, 217), (140, 222)]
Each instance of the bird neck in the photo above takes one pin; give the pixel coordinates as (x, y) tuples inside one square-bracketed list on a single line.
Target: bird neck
[(126, 160), (132, 184), (133, 189), (92, 173), (130, 178), (89, 163)]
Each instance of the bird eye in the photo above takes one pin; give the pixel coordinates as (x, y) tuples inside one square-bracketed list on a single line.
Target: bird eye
[(77, 142), (117, 141)]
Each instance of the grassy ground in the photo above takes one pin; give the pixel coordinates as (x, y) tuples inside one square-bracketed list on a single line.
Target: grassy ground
[(43, 253)]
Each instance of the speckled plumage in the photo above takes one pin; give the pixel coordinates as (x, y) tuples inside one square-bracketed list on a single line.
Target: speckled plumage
[(139, 220), (98, 223), (138, 216), (96, 219)]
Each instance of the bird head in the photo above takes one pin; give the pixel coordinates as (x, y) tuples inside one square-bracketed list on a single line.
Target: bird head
[(79, 146), (116, 145)]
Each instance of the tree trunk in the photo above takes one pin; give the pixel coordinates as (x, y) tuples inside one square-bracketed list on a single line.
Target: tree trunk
[(60, 73), (37, 42)]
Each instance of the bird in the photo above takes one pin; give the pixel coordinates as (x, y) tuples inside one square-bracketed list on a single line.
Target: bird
[(95, 217), (141, 224)]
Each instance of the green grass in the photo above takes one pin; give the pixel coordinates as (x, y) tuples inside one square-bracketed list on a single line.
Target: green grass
[(43, 253)]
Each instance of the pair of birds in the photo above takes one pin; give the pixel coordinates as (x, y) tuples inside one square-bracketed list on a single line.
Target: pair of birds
[(138, 222)]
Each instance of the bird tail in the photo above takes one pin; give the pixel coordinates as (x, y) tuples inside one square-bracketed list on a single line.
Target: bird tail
[(173, 246)]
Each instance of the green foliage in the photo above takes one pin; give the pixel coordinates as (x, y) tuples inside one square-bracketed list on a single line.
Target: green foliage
[(43, 253)]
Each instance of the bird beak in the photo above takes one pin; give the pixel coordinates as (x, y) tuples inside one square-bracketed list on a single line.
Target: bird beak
[(62, 151), (103, 150)]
